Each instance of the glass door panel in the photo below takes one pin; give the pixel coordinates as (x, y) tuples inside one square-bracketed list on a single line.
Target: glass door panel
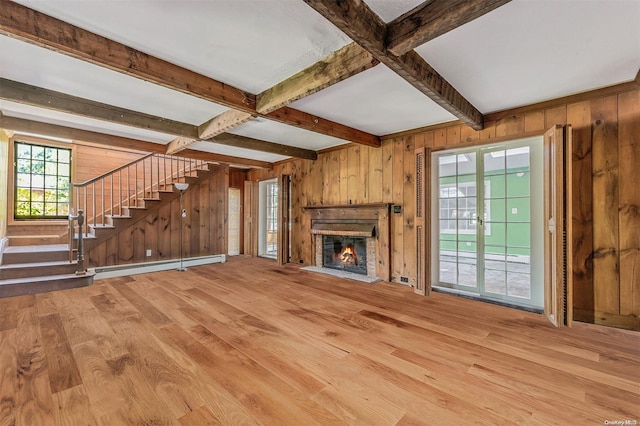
[(484, 210)]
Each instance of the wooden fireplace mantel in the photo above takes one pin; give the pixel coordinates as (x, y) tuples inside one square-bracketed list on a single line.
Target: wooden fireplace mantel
[(376, 214), (349, 206)]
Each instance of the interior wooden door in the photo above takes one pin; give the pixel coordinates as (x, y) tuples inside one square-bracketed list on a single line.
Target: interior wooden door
[(557, 291)]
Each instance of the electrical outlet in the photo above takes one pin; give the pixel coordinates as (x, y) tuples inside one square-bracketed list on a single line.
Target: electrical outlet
[(404, 279), (148, 253)]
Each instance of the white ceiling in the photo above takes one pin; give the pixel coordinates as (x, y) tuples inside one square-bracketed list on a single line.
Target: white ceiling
[(524, 52)]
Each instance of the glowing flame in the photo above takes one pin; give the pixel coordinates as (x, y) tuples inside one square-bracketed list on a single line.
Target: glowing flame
[(349, 256)]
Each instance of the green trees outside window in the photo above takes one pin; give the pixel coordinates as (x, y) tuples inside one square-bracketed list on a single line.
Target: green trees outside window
[(42, 181)]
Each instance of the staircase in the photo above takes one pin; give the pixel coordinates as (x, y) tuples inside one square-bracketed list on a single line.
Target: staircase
[(106, 205)]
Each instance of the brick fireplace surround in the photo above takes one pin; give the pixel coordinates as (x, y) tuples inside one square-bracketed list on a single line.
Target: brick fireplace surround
[(369, 220)]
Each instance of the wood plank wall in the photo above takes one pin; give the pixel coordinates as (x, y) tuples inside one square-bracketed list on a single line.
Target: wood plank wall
[(606, 193)]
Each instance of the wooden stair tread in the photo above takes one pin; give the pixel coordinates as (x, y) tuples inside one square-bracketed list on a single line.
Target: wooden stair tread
[(44, 278), (36, 248), (36, 264)]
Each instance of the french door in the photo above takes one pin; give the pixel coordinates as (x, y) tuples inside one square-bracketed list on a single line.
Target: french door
[(488, 238)]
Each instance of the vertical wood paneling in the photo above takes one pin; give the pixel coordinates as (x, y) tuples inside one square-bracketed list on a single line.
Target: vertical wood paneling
[(397, 222), (344, 176), (555, 116), (353, 174), (534, 121), (605, 205), (175, 225), (387, 171), (408, 212), (440, 138), (467, 135), (363, 176), (151, 236), (579, 115), (204, 223), (629, 201), (125, 245), (453, 136), (111, 251), (164, 232), (510, 125), (375, 175)]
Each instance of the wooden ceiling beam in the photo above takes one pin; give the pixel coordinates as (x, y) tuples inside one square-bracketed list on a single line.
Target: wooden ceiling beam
[(187, 134), (39, 128), (340, 65), (28, 25), (366, 28), (33, 27), (432, 19), (274, 148), (44, 98), (317, 124), (222, 123)]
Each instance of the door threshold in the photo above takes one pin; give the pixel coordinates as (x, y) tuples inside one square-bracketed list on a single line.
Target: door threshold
[(473, 296)]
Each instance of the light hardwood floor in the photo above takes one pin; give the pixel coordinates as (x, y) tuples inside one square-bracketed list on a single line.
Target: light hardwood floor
[(249, 342)]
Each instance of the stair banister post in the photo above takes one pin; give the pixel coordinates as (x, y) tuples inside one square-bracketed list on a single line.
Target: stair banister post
[(80, 270)]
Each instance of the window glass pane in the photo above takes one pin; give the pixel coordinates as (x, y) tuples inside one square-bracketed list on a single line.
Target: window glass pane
[(37, 181), (24, 180), (51, 154), (23, 151), (494, 163), (37, 195), (518, 158), (518, 210), (37, 209), (518, 234), (50, 168), (23, 166), (497, 186), (519, 285), (63, 196), (50, 181), (23, 194), (22, 208), (63, 209), (447, 165), (63, 170), (64, 156), (518, 184), (50, 209), (37, 167), (50, 195), (494, 210), (37, 152)]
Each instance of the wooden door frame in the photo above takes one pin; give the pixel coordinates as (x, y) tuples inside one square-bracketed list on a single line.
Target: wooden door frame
[(283, 237)]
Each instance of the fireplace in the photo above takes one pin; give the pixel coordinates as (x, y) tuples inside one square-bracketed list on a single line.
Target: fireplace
[(351, 239), (345, 253)]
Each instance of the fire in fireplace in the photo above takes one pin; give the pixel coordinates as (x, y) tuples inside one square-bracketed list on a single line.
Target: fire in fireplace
[(345, 253)]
